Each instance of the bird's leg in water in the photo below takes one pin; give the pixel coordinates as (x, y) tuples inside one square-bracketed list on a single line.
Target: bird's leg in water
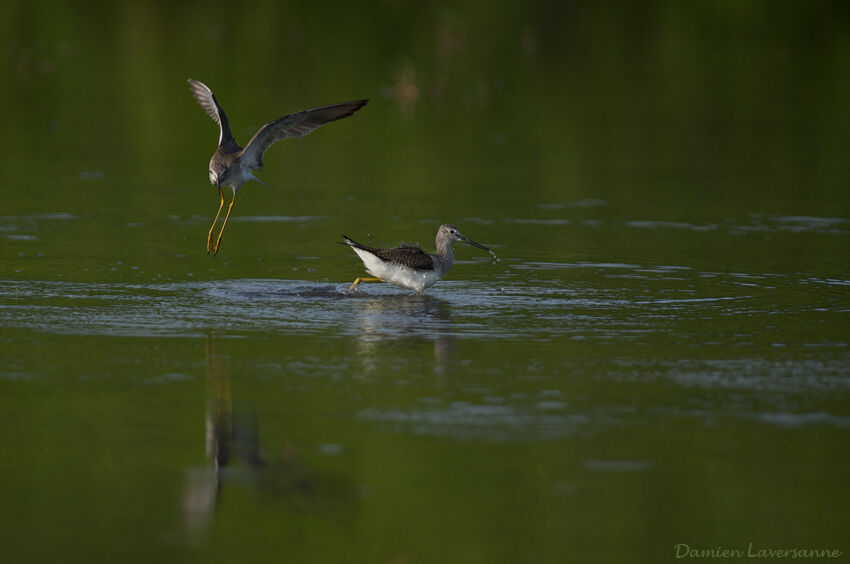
[(359, 280)]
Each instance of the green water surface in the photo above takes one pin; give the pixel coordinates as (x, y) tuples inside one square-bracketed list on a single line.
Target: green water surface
[(657, 356)]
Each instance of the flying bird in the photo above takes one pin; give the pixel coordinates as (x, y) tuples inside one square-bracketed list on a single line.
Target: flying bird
[(231, 165)]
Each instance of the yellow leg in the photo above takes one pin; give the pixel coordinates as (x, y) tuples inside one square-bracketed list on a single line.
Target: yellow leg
[(359, 280), (223, 225), (212, 229)]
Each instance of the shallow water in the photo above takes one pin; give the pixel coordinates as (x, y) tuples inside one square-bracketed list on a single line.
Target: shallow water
[(658, 353), (562, 390)]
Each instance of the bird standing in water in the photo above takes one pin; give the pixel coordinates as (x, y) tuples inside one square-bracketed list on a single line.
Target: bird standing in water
[(231, 165), (409, 266)]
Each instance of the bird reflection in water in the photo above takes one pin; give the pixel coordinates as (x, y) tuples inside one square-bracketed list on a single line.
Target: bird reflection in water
[(399, 320), (233, 449)]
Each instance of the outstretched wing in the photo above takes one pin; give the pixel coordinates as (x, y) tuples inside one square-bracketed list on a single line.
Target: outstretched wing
[(206, 99), (294, 125)]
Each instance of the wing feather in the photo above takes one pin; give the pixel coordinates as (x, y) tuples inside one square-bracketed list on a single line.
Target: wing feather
[(206, 99), (409, 256), (294, 125)]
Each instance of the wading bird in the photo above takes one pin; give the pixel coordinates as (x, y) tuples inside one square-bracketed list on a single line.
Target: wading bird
[(408, 265), (231, 165)]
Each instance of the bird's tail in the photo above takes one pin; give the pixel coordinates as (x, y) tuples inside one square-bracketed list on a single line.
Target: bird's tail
[(355, 245), (257, 179)]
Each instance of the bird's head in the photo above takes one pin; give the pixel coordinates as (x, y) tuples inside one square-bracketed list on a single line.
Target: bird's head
[(217, 173), (450, 234)]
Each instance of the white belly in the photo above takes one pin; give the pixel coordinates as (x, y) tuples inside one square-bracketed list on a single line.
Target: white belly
[(398, 275)]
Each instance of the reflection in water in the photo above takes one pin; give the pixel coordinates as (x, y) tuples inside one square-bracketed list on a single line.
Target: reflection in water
[(232, 446), (389, 318)]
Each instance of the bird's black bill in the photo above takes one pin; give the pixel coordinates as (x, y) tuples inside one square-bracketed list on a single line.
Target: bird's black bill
[(474, 244)]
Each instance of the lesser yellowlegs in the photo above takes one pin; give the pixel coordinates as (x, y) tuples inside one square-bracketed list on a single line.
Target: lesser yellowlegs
[(231, 165), (408, 265)]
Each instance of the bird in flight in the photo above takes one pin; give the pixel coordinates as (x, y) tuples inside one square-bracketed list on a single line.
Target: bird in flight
[(231, 165)]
